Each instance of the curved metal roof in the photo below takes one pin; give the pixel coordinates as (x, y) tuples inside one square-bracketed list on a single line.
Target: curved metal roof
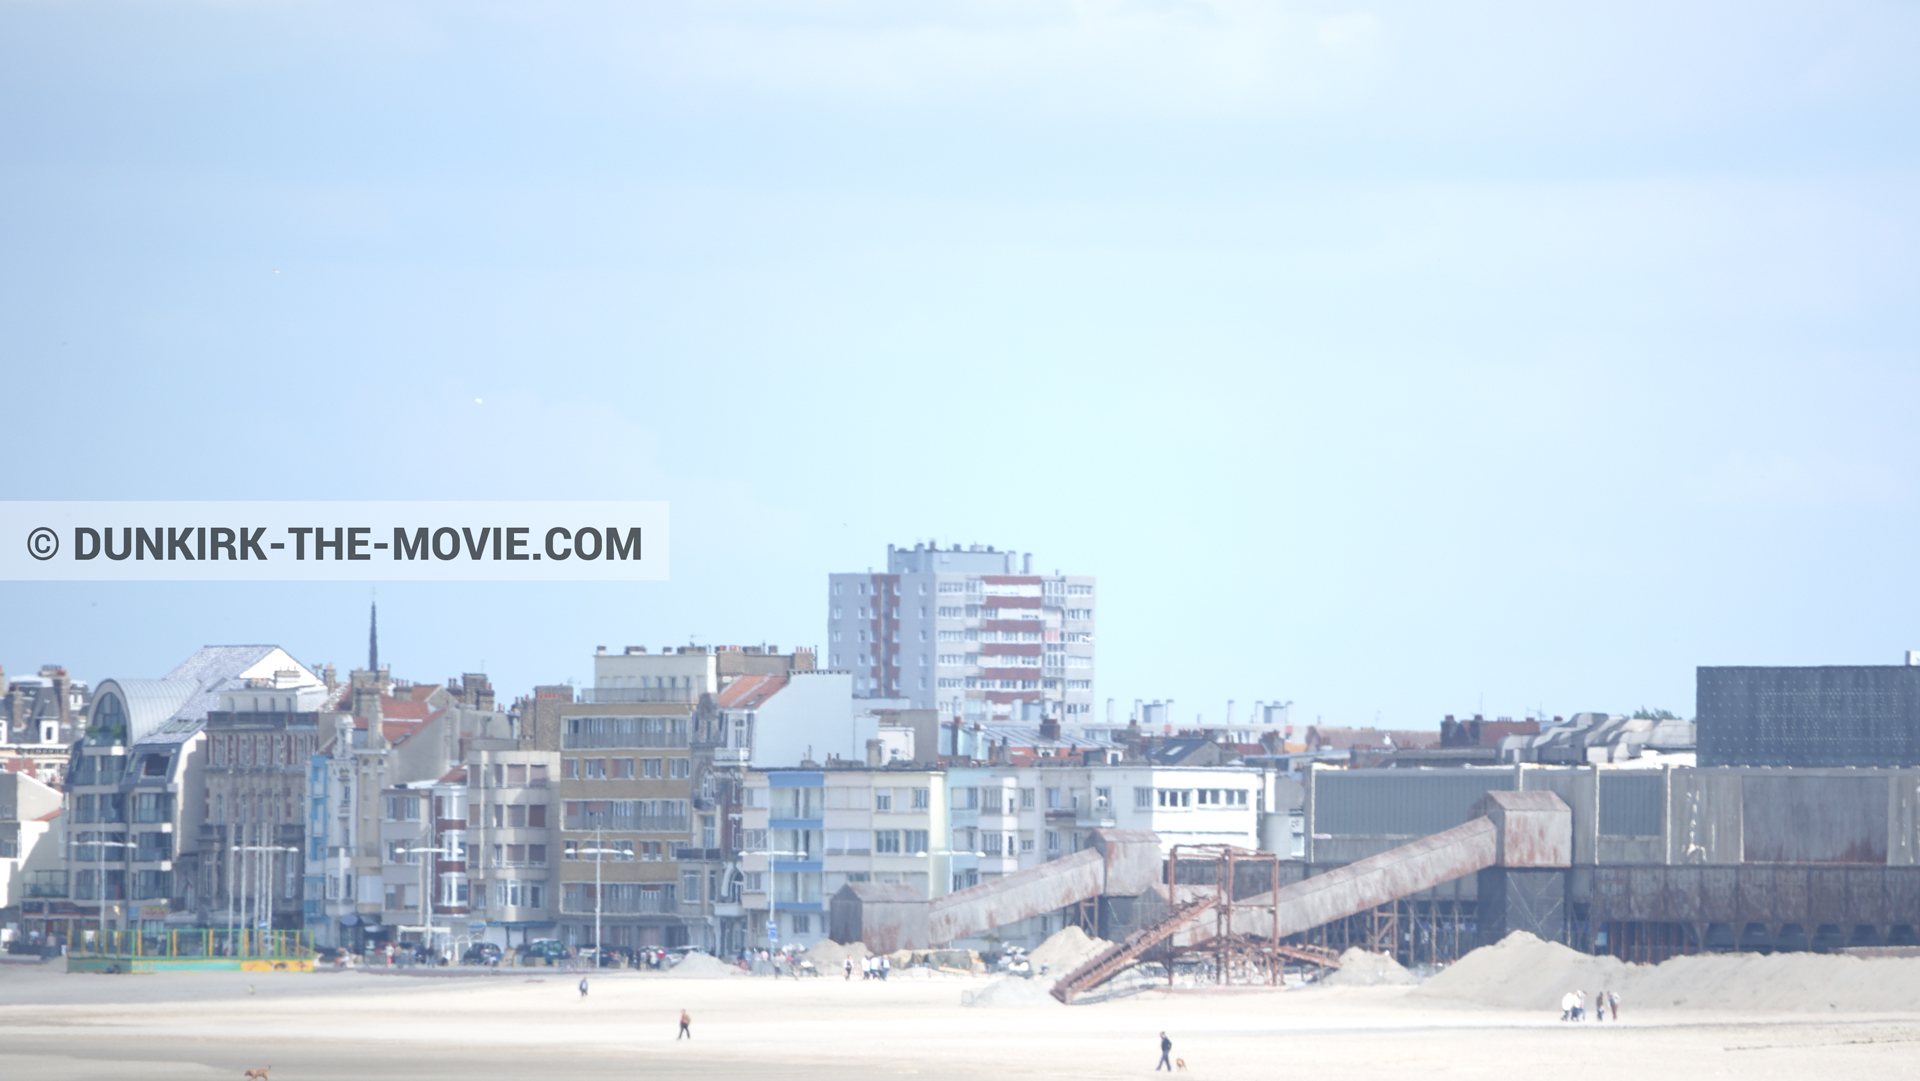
[(150, 702)]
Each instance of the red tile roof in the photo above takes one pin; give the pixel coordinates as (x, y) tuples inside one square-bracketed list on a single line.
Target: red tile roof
[(405, 709), (750, 692)]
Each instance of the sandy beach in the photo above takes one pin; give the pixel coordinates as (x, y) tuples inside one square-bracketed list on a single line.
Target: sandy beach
[(533, 1023)]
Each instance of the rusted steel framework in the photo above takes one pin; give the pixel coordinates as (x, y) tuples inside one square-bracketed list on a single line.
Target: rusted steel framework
[(1248, 940), (1415, 932), (1130, 949)]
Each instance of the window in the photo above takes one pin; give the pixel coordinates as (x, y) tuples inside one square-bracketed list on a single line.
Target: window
[(886, 842), (569, 850), (922, 798), (650, 768), (623, 768), (753, 840), (1053, 841), (152, 807), (1142, 799), (689, 887), (537, 815), (915, 840), (680, 769), (622, 851), (1053, 799), (537, 855), (1079, 590), (570, 769), (882, 800), (952, 612), (1079, 613), (1174, 797), (950, 683), (399, 809), (1103, 797), (802, 923), (1026, 843), (596, 769), (650, 851)]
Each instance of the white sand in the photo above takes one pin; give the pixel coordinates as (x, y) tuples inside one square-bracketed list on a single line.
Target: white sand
[(1015, 991), (367, 1027), (1358, 968), (1066, 950), (1523, 972), (699, 966)]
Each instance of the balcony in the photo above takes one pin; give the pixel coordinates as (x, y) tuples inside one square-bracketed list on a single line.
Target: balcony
[(46, 884), (633, 696), (731, 756)]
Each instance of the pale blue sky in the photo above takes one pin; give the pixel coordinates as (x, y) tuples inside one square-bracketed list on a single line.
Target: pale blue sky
[(1399, 360)]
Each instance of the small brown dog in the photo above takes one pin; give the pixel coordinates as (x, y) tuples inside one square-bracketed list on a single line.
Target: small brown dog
[(1180, 1065), (259, 1074)]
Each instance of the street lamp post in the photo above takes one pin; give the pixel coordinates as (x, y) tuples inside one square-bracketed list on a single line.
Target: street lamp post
[(773, 893), (597, 851), (263, 896), (426, 898), (101, 844)]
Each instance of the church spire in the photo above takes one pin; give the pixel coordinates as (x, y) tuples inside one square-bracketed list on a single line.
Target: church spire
[(373, 638)]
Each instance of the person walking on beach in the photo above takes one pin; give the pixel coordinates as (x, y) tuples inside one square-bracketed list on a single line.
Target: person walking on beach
[(1613, 1003), (1166, 1048), (685, 1026), (1599, 1006), (1568, 1003), (847, 964), (583, 987)]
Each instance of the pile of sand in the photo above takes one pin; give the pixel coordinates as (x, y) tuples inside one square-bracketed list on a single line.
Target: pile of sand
[(828, 954), (1358, 968), (700, 966), (1015, 991), (1066, 950), (1523, 972)]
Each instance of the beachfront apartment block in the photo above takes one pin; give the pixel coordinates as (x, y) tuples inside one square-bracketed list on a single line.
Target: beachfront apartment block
[(973, 633), (138, 807), (807, 832)]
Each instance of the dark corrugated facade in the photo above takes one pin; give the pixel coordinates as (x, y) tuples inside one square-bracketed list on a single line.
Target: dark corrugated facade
[(1838, 715)]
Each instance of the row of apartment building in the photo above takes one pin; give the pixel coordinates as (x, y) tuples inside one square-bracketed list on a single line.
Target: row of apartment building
[(693, 795)]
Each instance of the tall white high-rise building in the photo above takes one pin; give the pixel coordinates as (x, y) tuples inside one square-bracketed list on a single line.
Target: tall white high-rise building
[(971, 632)]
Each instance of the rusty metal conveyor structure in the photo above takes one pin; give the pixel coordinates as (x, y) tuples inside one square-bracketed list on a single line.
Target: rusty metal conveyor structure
[(1217, 906)]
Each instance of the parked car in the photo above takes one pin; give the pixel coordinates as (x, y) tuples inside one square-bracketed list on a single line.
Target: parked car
[(547, 950), (480, 953), (614, 956)]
